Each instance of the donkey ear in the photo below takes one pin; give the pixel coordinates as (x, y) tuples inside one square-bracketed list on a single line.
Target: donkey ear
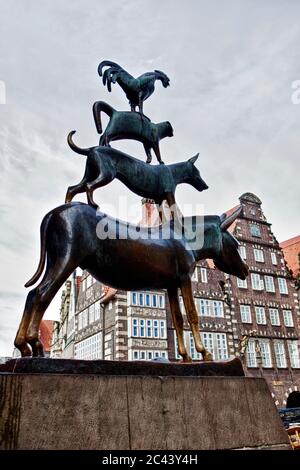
[(193, 159)]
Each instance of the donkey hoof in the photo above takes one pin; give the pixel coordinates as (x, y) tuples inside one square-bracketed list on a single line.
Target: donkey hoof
[(207, 356), (161, 162)]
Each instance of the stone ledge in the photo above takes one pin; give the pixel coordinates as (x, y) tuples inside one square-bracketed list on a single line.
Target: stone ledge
[(99, 367)]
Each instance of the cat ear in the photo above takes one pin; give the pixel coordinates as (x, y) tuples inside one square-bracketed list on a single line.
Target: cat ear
[(193, 159)]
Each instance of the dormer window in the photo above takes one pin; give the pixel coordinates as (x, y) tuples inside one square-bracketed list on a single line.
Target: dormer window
[(255, 231)]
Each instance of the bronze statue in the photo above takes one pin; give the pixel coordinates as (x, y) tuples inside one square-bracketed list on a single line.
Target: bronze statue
[(155, 182), (137, 90), (71, 237), (128, 125)]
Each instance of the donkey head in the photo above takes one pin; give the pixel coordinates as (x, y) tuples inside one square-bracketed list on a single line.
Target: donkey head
[(228, 258)]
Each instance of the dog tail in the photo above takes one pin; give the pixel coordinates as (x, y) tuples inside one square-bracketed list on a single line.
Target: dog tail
[(37, 274), (74, 146), (97, 108)]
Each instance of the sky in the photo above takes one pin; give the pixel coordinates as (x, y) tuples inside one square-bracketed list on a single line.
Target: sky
[(232, 66)]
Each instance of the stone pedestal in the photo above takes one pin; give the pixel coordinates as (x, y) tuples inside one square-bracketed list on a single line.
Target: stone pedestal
[(88, 411)]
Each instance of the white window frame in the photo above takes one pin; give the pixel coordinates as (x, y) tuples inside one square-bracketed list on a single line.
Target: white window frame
[(266, 356), (255, 227), (217, 308), (259, 255), (260, 315), (195, 275), (149, 327), (154, 301), (269, 284), (161, 301), (134, 298), (203, 273), (251, 354), (288, 318), (245, 312), (242, 252), (273, 258), (280, 354), (155, 329), (256, 282), (241, 283), (282, 284), (162, 329), (135, 324), (294, 354), (274, 316)]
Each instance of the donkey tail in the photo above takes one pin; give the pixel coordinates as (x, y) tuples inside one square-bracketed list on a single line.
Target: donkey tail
[(97, 108), (74, 147), (43, 231)]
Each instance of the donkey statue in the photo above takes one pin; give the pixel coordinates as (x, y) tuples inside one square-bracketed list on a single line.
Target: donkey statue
[(76, 234)]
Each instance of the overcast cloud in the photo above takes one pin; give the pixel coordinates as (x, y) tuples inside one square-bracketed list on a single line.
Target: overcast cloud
[(231, 66)]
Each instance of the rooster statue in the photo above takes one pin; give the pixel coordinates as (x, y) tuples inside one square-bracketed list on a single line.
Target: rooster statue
[(137, 90)]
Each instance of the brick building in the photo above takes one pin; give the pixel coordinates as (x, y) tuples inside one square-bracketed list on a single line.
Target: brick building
[(119, 325), (266, 304)]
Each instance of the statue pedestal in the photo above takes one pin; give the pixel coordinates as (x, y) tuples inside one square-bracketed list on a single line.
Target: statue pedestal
[(159, 412)]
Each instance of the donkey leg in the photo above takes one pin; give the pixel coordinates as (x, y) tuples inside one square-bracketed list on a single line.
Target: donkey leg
[(148, 153), (178, 323), (192, 315), (45, 291), (20, 340)]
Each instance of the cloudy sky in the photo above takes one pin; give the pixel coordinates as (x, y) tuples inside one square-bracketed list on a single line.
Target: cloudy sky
[(231, 65)]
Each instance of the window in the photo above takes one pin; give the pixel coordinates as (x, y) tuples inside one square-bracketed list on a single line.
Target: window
[(149, 328), (134, 327), (155, 328), (134, 298), (218, 308), (245, 313), (154, 300), (141, 299), (194, 354), (265, 353), (92, 313), (280, 355), (83, 283), (161, 301), (97, 310), (241, 283), (273, 258), (89, 348), (242, 251), (260, 316), (294, 354), (251, 354), (203, 272), (255, 231), (135, 355), (150, 355), (142, 328), (257, 282), (259, 255), (162, 328), (274, 316), (288, 318), (142, 355), (84, 318), (208, 342), (269, 283), (195, 275), (80, 321), (204, 307), (222, 352), (282, 285), (147, 300)]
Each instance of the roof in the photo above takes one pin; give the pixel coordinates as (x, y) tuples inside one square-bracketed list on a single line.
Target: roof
[(109, 293), (290, 241), (46, 331), (250, 197), (291, 251)]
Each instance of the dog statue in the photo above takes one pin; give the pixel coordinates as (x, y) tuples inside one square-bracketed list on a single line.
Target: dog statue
[(129, 125), (155, 182)]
